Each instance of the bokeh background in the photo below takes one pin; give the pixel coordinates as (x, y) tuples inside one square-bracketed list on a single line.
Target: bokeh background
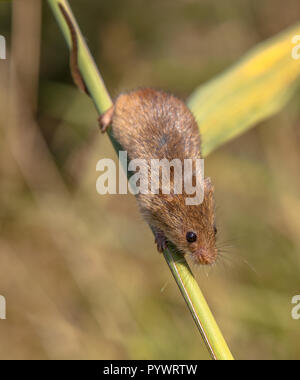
[(80, 271)]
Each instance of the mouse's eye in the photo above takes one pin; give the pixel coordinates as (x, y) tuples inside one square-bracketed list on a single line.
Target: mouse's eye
[(215, 230), (191, 237)]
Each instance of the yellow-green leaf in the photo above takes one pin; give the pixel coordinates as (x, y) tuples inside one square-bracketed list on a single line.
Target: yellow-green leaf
[(252, 90)]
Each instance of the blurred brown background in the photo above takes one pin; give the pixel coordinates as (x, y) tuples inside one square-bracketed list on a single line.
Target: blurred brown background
[(80, 272)]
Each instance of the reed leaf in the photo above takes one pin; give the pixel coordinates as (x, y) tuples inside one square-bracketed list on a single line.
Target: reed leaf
[(255, 88)]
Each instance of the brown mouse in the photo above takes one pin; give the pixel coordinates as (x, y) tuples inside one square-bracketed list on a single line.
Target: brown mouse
[(152, 124)]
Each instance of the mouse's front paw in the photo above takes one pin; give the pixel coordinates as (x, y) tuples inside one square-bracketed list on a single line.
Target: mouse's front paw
[(160, 241)]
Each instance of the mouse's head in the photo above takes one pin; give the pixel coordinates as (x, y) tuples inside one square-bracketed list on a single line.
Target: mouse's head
[(193, 229)]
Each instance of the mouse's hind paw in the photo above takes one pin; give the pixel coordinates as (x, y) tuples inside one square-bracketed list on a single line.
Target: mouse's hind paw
[(105, 119)]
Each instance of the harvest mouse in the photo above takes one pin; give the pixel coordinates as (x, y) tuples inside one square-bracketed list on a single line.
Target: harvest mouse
[(152, 124)]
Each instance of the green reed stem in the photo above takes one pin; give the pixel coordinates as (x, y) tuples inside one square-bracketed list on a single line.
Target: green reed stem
[(183, 276)]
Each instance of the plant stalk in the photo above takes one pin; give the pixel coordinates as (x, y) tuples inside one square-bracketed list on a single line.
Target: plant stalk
[(183, 276)]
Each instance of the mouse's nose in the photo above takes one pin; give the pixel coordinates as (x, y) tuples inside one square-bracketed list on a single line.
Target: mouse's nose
[(204, 256)]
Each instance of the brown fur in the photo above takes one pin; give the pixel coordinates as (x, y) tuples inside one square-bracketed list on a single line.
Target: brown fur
[(152, 124)]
